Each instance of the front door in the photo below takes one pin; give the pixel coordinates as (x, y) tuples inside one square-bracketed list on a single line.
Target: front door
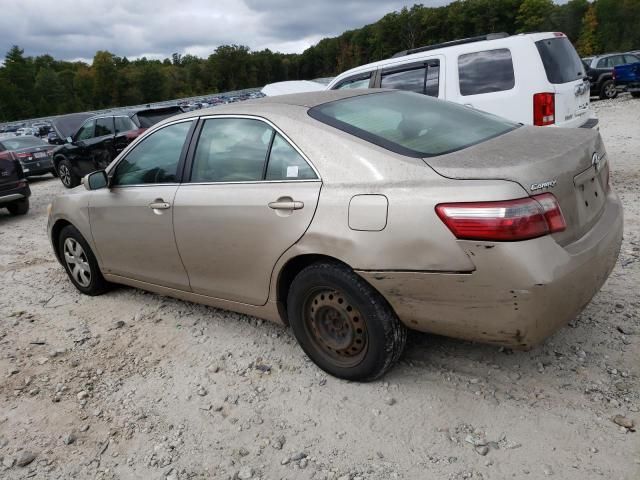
[(132, 221), (250, 197)]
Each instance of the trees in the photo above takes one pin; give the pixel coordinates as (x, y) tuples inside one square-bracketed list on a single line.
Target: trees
[(42, 85)]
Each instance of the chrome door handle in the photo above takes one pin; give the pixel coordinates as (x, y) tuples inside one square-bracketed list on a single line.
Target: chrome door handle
[(159, 205), (286, 205)]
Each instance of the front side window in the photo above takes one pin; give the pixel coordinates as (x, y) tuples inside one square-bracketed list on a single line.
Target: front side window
[(486, 72), (231, 150), (285, 163), (361, 81), (124, 124), (86, 131), (155, 159), (104, 126), (411, 124)]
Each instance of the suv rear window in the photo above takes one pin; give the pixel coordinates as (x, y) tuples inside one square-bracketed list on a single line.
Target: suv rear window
[(486, 72), (411, 124), (560, 60)]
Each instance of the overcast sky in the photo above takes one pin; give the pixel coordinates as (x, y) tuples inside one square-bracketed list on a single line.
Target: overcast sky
[(70, 30)]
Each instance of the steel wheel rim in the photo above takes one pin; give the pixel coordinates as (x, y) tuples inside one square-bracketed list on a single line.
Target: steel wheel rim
[(77, 262), (609, 91), (65, 175), (336, 327)]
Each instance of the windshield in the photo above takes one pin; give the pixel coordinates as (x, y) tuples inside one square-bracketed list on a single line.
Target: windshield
[(560, 60), (410, 123), (17, 143)]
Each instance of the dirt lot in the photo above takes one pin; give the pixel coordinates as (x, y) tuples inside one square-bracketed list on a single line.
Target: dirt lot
[(134, 385)]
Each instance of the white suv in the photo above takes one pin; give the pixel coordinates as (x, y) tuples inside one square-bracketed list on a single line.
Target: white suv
[(535, 78)]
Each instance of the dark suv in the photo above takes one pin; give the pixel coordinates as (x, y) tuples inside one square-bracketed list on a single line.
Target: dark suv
[(14, 189), (600, 72), (94, 143)]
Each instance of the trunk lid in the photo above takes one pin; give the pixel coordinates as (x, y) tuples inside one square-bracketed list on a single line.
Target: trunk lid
[(566, 72), (570, 164), (10, 171)]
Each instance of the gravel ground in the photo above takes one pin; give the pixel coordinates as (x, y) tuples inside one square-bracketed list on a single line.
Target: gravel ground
[(135, 385)]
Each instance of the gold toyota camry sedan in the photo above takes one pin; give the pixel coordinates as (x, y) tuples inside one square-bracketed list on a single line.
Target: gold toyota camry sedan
[(352, 217)]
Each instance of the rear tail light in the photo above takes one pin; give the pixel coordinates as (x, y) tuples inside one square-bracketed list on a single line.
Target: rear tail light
[(23, 155), (544, 109), (505, 221), (613, 74)]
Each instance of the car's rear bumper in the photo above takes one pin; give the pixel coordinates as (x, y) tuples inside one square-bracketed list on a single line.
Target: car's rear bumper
[(16, 192), (520, 292)]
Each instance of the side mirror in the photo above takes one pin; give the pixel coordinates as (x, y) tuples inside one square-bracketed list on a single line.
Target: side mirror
[(69, 140), (95, 180)]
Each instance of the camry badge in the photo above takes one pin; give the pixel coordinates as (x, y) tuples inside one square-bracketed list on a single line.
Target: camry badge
[(543, 185)]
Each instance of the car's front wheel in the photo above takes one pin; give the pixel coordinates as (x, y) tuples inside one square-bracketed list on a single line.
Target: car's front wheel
[(65, 172), (19, 207), (608, 90), (80, 262), (346, 327)]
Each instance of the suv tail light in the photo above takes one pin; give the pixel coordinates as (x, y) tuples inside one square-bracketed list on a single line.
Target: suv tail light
[(544, 109), (23, 155), (504, 221)]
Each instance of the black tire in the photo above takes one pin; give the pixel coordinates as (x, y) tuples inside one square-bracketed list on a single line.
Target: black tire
[(357, 320), (96, 285), (635, 94), (65, 172), (608, 90), (19, 207)]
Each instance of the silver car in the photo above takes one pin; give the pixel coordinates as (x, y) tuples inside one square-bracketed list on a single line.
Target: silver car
[(353, 216)]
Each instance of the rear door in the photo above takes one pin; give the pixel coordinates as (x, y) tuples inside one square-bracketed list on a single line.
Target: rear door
[(251, 195), (565, 72)]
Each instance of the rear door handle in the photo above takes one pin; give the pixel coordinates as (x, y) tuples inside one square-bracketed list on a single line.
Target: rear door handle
[(286, 205), (159, 205)]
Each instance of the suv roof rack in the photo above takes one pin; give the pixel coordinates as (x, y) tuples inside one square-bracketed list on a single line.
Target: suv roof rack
[(490, 36)]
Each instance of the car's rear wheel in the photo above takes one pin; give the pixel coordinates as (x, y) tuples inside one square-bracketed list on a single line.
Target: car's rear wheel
[(19, 207), (608, 90), (65, 172), (346, 327), (80, 262)]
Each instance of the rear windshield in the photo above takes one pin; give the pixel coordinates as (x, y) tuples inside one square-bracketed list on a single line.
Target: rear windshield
[(17, 143), (411, 124), (560, 60)]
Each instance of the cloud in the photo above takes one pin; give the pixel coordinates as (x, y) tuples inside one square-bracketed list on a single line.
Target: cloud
[(73, 29)]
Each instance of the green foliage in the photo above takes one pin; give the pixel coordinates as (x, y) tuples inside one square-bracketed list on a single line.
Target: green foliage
[(41, 86)]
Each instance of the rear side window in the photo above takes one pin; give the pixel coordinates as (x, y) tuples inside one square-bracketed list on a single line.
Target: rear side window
[(486, 72), (410, 124), (285, 163), (231, 150), (360, 81), (423, 79), (124, 124), (631, 59), (104, 126), (561, 61)]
